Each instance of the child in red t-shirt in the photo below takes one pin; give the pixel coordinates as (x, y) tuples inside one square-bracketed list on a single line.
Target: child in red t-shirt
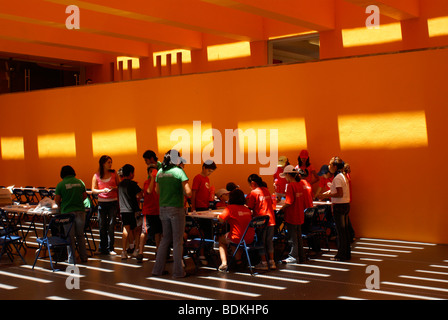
[(150, 212), (200, 199), (298, 198), (279, 182), (326, 177), (238, 216), (223, 197), (259, 201), (200, 196)]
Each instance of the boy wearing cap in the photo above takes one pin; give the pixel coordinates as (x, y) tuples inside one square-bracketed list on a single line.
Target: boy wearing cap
[(326, 178), (298, 198), (223, 196)]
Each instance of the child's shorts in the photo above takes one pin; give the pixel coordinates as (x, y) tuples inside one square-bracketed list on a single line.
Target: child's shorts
[(128, 219), (151, 223)]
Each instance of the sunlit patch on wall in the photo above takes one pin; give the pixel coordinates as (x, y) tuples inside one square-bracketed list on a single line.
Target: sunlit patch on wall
[(228, 51), (135, 62), (190, 138), (114, 142), (370, 36), (438, 26), (383, 131), (56, 145), (186, 56), (291, 134), (12, 148)]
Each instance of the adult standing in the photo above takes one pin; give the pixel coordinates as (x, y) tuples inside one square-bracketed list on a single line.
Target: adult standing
[(340, 197), (70, 194), (105, 184), (171, 185)]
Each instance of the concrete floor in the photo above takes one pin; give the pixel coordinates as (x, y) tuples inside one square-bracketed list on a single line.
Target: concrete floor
[(404, 271)]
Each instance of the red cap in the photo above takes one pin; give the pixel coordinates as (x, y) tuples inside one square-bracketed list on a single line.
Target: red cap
[(304, 154)]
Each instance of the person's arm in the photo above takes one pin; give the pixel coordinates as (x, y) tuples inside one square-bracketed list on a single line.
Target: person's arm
[(58, 200), (338, 194), (283, 208), (316, 177), (317, 193), (95, 189), (151, 184), (187, 189), (193, 200)]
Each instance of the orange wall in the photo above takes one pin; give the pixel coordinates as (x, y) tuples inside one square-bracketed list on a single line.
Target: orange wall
[(397, 192)]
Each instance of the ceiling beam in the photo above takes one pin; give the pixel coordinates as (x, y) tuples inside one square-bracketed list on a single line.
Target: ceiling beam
[(396, 9), (71, 39), (44, 53), (312, 14), (192, 15), (53, 15)]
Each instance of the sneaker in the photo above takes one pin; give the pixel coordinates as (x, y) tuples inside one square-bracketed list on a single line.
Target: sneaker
[(262, 266), (139, 257), (222, 268), (124, 255), (289, 260), (112, 253), (135, 253), (272, 265)]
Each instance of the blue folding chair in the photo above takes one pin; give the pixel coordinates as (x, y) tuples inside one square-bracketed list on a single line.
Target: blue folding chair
[(258, 223), (60, 227), (8, 238)]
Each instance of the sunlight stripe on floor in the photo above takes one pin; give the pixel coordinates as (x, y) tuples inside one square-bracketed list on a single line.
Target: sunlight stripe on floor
[(245, 283), (199, 286), (407, 285), (304, 273), (264, 276), (7, 287), (433, 272), (123, 264), (423, 278), (109, 295), (371, 259), (317, 267), (400, 241), (438, 266), (81, 266), (375, 254), (389, 245), (381, 249), (165, 292), (349, 298), (20, 276), (341, 262), (56, 298), (59, 272), (402, 295)]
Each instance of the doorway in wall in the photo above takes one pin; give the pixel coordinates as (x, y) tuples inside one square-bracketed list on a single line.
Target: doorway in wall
[(294, 49)]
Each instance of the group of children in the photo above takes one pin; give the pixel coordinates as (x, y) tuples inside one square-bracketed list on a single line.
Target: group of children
[(291, 184)]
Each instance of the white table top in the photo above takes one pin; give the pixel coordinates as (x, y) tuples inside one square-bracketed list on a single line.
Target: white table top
[(210, 214), (30, 209)]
